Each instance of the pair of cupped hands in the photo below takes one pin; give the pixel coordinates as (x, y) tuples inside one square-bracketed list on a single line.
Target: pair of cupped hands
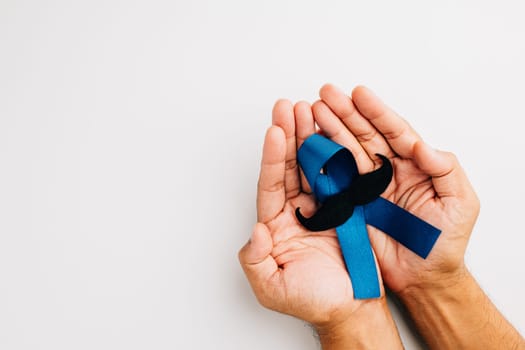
[(302, 273)]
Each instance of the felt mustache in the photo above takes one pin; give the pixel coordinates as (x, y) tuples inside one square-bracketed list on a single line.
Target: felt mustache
[(337, 209)]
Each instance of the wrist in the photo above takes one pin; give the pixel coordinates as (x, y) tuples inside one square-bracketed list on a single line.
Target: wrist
[(360, 330), (450, 313), (432, 285)]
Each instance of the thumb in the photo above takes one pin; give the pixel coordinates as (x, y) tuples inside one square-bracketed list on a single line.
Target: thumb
[(448, 177), (255, 258)]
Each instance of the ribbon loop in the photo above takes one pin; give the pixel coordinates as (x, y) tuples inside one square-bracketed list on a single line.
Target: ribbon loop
[(317, 153), (349, 201)]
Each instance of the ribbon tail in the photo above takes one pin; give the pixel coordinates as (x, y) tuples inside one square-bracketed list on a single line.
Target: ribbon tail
[(358, 256), (406, 228)]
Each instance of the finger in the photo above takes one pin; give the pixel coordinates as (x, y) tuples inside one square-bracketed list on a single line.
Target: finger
[(367, 135), (257, 263), (334, 129), (283, 117), (304, 122), (304, 127), (448, 177), (397, 132), (270, 188)]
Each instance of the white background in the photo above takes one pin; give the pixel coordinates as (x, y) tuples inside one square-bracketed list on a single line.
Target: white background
[(130, 139)]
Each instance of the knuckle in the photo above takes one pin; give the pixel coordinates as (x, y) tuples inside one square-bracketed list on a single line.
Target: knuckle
[(367, 136), (274, 187), (290, 164), (452, 157)]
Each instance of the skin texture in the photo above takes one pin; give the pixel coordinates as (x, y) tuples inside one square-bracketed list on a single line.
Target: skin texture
[(301, 273)]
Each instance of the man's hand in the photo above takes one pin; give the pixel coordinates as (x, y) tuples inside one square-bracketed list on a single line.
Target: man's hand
[(298, 272), (447, 305), (426, 182)]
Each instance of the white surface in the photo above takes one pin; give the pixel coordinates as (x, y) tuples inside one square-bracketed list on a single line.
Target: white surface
[(130, 137)]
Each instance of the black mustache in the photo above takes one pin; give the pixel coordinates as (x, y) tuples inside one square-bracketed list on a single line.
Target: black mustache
[(340, 207)]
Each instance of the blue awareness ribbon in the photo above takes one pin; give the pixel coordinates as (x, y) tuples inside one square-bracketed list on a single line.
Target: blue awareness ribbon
[(330, 169)]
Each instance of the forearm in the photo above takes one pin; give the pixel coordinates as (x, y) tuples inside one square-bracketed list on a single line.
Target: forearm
[(456, 314), (370, 327)]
